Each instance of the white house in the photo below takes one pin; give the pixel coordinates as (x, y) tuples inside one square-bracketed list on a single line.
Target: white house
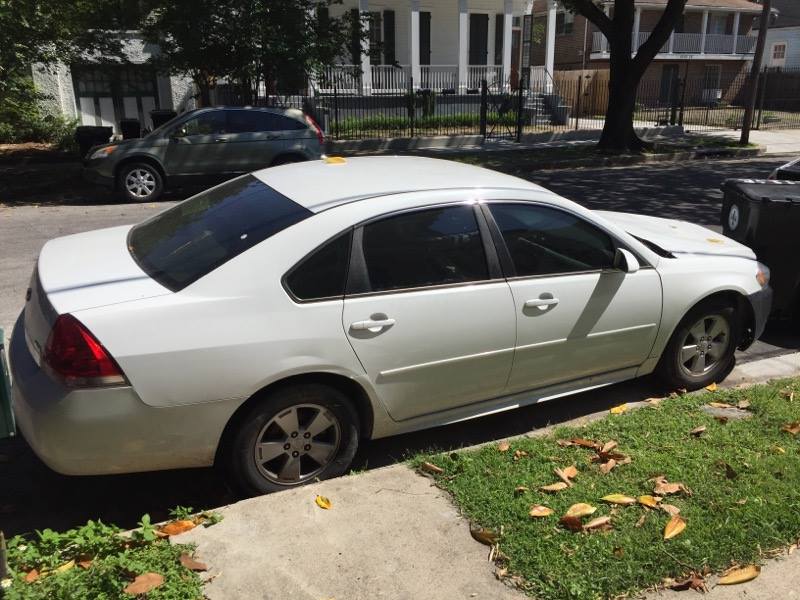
[(782, 50)]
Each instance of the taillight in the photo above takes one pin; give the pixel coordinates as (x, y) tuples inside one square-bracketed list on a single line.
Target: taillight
[(75, 356), (313, 124)]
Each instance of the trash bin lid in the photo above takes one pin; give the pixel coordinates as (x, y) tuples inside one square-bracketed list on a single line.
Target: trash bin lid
[(765, 190)]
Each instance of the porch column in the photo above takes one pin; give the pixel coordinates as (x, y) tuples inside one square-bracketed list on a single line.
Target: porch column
[(508, 15), (550, 48), (416, 72), (366, 66), (637, 20), (463, 41), (703, 36), (736, 16)]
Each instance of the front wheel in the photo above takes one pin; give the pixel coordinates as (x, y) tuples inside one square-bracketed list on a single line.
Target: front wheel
[(293, 436), (140, 182), (701, 351)]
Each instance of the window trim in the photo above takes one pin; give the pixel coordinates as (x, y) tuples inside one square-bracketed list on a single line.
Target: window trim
[(505, 254), (285, 278), (357, 277)]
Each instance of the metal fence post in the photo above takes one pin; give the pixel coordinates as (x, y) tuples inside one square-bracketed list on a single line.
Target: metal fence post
[(412, 105), (578, 103), (335, 109), (763, 76), (484, 97), (682, 83), (520, 108)]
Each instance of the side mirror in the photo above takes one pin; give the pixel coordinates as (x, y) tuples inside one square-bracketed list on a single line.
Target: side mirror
[(625, 261)]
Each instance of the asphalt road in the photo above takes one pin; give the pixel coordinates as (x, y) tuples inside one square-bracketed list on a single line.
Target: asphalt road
[(32, 496)]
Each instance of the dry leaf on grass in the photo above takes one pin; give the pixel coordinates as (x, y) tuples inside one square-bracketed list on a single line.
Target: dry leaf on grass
[(192, 564), (519, 490), (663, 488), (503, 447), (739, 575), (674, 528), (519, 454), (85, 564), (572, 523), (584, 443), (323, 502), (743, 404), (606, 467), (653, 402), (31, 576), (566, 475), (618, 410), (712, 387), (538, 511), (484, 536), (793, 428), (670, 509), (144, 583), (641, 521), (693, 582), (554, 487), (431, 468), (698, 431), (571, 471), (648, 501), (720, 405), (581, 509), (609, 446), (177, 527), (603, 522), (620, 499)]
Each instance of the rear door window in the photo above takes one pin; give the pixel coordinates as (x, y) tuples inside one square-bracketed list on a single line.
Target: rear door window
[(191, 239), (257, 121), (323, 273)]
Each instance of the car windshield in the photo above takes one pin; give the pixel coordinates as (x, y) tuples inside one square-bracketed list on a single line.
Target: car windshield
[(180, 245)]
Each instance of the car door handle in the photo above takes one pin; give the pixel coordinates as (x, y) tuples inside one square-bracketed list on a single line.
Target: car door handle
[(218, 140), (371, 324), (541, 302)]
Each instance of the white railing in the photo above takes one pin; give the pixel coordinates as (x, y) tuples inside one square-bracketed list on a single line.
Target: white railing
[(344, 79), (493, 75), (687, 43), (388, 78), (438, 77)]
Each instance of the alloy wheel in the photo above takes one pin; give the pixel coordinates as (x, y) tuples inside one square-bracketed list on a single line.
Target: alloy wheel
[(705, 345), (297, 444), (140, 183)]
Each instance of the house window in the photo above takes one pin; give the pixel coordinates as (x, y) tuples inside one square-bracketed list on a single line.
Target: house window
[(717, 24), (712, 77), (375, 38), (779, 52), (565, 22)]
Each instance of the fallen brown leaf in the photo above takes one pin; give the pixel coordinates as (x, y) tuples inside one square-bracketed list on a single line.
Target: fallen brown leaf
[(519, 490), (609, 446), (581, 509), (603, 522), (431, 468), (192, 564), (503, 447), (721, 420), (618, 410), (653, 402), (323, 502), (584, 443), (620, 499), (564, 443), (606, 467), (538, 511), (563, 476), (571, 523), (712, 387), (793, 428), (177, 527), (739, 575), (484, 536), (663, 488), (698, 431), (619, 551), (554, 487), (641, 521), (571, 471), (144, 583), (648, 501), (501, 573), (743, 404), (670, 509), (720, 405), (519, 454), (85, 564), (693, 582), (675, 527), (31, 576)]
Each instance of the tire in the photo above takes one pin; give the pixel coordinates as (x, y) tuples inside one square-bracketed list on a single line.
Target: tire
[(707, 324), (287, 159), (140, 182), (298, 459)]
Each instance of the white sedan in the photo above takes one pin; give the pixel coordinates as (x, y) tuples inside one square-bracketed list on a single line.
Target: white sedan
[(271, 323)]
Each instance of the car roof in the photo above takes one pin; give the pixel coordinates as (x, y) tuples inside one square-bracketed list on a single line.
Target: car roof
[(322, 184)]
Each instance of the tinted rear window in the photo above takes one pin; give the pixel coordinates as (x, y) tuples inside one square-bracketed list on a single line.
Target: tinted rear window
[(188, 241)]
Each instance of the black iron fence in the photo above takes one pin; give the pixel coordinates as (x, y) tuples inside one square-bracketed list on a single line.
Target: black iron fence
[(574, 100)]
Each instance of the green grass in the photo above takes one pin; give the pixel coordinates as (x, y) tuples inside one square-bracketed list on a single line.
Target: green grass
[(728, 520), (96, 562)]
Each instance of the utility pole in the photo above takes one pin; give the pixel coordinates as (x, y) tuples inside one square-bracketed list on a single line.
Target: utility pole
[(750, 107)]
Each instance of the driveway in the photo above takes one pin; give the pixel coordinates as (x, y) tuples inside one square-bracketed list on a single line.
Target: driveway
[(32, 496)]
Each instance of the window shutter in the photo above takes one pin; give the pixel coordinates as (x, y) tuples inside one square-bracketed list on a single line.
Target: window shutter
[(388, 37), (323, 16), (499, 22), (355, 41)]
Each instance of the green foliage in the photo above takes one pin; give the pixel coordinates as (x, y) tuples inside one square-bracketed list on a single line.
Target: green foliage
[(179, 513), (433, 122), (23, 120), (110, 561), (421, 103), (744, 476)]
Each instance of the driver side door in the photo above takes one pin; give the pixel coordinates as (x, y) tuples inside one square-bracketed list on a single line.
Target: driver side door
[(199, 147)]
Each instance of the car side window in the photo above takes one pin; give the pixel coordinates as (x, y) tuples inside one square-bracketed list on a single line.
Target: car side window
[(323, 273), (424, 248), (207, 123), (256, 121), (546, 241)]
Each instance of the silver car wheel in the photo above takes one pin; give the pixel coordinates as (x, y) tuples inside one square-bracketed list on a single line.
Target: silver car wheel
[(297, 444), (705, 345), (140, 183)]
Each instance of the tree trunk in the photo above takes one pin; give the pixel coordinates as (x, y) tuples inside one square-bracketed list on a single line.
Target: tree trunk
[(618, 134)]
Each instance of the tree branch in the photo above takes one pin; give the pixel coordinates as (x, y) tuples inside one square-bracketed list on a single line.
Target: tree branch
[(591, 11), (659, 36)]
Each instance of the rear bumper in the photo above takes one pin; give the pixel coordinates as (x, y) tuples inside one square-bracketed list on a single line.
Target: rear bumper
[(108, 430), (761, 303)]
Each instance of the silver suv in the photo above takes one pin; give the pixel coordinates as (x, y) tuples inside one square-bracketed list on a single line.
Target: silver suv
[(204, 146)]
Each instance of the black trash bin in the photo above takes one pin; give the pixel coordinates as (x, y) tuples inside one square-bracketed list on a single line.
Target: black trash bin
[(92, 135), (160, 116), (130, 128), (765, 215)]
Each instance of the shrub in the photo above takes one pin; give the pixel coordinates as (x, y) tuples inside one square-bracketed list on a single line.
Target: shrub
[(23, 120)]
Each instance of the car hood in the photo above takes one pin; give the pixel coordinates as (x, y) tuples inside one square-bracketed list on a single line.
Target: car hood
[(678, 237), (93, 269)]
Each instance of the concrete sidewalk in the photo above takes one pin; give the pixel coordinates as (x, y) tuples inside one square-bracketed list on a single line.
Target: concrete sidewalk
[(392, 534), (775, 141)]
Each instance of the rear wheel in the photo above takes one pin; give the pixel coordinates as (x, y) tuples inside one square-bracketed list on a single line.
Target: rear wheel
[(701, 351), (293, 436), (140, 182)]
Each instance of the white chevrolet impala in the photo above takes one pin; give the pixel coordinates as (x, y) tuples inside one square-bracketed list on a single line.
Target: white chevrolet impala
[(273, 322)]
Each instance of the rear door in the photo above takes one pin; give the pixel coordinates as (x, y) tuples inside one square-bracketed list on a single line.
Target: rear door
[(576, 315), (430, 319), (259, 137)]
